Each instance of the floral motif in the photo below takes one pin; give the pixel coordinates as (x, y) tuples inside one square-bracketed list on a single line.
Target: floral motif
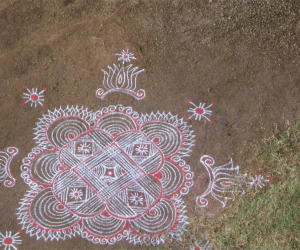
[(257, 181), (34, 97), (110, 192), (9, 240)]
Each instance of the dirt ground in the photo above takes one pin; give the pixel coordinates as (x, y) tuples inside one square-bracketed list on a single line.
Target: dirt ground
[(242, 55)]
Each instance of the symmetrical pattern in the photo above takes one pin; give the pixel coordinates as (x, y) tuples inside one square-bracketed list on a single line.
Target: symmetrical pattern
[(9, 241), (5, 160), (34, 97), (224, 181), (257, 181), (107, 175), (121, 79), (201, 245), (200, 111)]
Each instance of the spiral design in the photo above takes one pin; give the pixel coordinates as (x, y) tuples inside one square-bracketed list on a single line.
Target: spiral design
[(104, 226), (160, 219), (201, 202), (44, 210), (65, 129), (172, 178), (169, 137), (45, 166), (99, 93), (116, 123)]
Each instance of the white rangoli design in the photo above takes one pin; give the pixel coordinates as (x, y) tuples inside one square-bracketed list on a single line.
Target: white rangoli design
[(9, 241), (34, 97), (224, 181), (200, 111), (121, 79), (5, 160), (258, 181), (108, 175)]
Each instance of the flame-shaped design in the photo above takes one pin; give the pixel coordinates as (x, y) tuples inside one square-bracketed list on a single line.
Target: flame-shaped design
[(121, 80)]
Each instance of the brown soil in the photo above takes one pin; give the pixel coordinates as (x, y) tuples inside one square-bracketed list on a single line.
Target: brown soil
[(243, 55)]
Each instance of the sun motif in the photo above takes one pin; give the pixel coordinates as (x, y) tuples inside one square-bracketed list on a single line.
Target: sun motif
[(258, 181), (76, 194), (136, 199), (34, 97), (141, 149), (125, 57), (200, 111), (9, 240), (84, 148)]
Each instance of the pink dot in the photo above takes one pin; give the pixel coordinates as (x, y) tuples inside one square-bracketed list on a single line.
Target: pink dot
[(23, 103), (188, 100), (34, 97), (20, 231), (60, 207), (123, 171), (45, 89), (156, 140), (213, 103), (136, 198), (71, 136), (115, 54), (197, 248), (257, 181), (270, 180), (75, 194), (152, 212), (107, 183), (125, 56), (199, 111), (211, 122), (94, 170), (111, 159), (127, 48), (256, 173), (25, 87), (187, 119), (109, 173), (8, 241), (61, 168), (137, 58), (43, 107)]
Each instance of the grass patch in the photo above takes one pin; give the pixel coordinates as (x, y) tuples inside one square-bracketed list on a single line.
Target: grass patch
[(267, 219)]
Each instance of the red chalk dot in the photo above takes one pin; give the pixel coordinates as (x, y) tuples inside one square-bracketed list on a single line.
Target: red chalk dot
[(125, 56), (114, 134), (45, 89), (127, 48), (109, 173), (211, 122), (20, 231), (187, 119), (75, 194), (271, 180), (43, 107), (159, 175), (60, 207), (111, 159), (213, 103), (152, 212), (156, 140), (107, 183), (23, 103), (188, 100), (137, 58), (257, 181), (186, 242), (256, 173), (197, 248), (34, 97), (61, 168), (123, 171), (8, 241), (25, 87), (199, 111), (71, 136), (115, 54), (94, 170), (136, 198)]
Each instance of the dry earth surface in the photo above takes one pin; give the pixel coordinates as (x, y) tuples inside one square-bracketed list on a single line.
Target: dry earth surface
[(243, 55)]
